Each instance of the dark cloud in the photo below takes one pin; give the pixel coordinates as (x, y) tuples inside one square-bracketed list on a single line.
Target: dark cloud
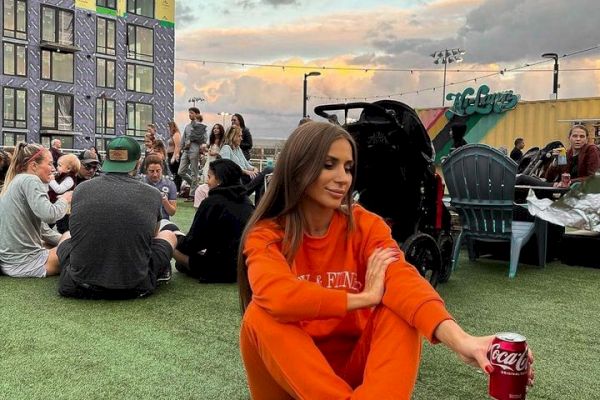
[(249, 4), (184, 13), (504, 31), (280, 2)]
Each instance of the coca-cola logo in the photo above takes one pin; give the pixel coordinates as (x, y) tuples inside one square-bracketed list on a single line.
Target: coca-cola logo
[(508, 361)]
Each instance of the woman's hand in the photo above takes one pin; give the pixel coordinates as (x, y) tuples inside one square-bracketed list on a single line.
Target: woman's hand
[(251, 174), (472, 350), (374, 288)]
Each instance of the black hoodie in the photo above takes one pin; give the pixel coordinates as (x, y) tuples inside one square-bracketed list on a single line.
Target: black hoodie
[(217, 228)]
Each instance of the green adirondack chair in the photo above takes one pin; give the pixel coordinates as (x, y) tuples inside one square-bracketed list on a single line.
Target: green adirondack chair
[(481, 181)]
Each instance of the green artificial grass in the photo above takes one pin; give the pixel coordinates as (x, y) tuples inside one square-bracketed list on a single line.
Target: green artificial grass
[(182, 342)]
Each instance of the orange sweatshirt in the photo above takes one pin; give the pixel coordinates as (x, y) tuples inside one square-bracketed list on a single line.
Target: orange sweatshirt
[(313, 290)]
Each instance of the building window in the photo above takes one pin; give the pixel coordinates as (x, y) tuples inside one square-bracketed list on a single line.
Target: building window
[(139, 116), (15, 19), (141, 7), (11, 139), (105, 73), (57, 111), (15, 108), (105, 116), (57, 66), (105, 36), (15, 59), (57, 25), (140, 43), (140, 78), (112, 4)]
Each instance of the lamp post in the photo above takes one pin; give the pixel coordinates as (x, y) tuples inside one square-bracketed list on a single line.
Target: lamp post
[(223, 114), (555, 84), (195, 99), (446, 57), (305, 95)]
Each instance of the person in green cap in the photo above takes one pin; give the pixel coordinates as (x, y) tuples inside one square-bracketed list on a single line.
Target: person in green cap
[(115, 250)]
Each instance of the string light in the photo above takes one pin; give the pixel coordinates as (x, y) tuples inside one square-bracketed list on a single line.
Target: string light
[(500, 72)]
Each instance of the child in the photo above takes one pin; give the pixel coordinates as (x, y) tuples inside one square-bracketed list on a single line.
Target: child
[(68, 166)]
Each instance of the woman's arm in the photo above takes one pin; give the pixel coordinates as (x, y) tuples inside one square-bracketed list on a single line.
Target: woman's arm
[(214, 150), (40, 204), (377, 266), (226, 152), (472, 350), (278, 291), (177, 144)]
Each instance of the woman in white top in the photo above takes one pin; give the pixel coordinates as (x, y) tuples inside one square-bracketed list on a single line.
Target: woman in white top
[(252, 178), (26, 211), (215, 141)]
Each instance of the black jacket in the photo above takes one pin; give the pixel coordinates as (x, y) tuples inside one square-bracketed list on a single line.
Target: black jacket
[(246, 144), (217, 228)]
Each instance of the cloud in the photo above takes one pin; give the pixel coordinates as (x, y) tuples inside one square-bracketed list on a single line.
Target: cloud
[(184, 13), (280, 2), (495, 34)]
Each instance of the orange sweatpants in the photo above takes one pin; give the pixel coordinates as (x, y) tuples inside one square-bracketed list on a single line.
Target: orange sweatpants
[(282, 361)]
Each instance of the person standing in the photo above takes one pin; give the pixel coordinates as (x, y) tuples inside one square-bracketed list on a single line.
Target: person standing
[(194, 135), (517, 153), (27, 244), (246, 145), (174, 152), (122, 214), (56, 152), (458, 132)]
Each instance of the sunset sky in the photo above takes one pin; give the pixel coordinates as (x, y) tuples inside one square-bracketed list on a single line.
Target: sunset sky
[(385, 34)]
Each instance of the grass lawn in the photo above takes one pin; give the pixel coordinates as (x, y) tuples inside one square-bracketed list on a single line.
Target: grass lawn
[(181, 343)]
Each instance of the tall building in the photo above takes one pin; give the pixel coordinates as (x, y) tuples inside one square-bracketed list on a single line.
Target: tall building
[(85, 71)]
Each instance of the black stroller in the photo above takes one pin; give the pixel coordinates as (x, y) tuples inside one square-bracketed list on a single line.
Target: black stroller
[(535, 161), (396, 179)]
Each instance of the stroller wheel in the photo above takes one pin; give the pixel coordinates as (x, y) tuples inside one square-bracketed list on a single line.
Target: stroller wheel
[(422, 251), (446, 245)]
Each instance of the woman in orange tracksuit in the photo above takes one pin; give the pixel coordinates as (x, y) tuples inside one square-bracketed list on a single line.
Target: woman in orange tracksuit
[(332, 309)]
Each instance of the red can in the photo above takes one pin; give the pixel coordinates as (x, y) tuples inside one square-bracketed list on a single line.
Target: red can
[(566, 179), (509, 356)]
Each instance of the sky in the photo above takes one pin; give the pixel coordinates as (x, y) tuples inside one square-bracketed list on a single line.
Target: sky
[(371, 36)]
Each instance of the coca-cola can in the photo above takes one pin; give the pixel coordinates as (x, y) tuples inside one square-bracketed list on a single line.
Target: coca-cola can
[(509, 356)]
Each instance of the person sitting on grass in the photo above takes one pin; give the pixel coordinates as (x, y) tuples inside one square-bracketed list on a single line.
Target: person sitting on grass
[(251, 177), (114, 249), (209, 250), (27, 244), (332, 308), (154, 177), (5, 158)]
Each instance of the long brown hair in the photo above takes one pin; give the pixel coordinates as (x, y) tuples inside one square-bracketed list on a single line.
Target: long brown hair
[(24, 154), (299, 165)]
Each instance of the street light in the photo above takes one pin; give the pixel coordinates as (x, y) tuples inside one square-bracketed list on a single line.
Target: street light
[(224, 114), (305, 96), (446, 57), (195, 99), (555, 84)]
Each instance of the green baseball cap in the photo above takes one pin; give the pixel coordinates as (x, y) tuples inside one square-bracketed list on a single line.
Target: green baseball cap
[(122, 155)]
